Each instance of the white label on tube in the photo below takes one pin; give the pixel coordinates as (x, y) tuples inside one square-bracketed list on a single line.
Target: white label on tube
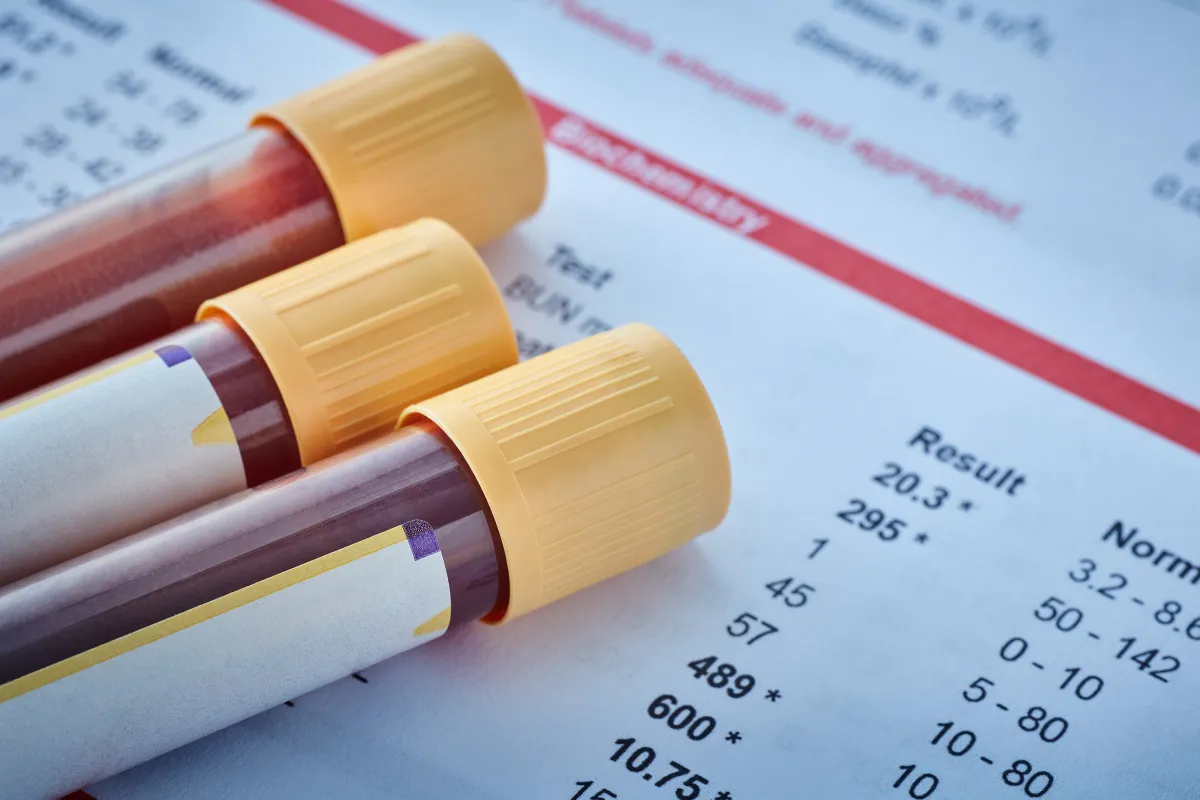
[(111, 453), (197, 672)]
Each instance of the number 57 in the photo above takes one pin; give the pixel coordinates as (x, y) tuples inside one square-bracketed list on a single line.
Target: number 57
[(745, 623)]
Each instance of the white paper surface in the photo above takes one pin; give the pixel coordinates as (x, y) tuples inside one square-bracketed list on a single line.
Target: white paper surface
[(819, 388)]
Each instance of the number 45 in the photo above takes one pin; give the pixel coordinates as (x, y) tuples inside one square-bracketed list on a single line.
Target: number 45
[(793, 596), (746, 622)]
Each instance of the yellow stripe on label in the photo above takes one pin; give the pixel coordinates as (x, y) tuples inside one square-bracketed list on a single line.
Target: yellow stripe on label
[(435, 624), (67, 388), (206, 611), (214, 430)]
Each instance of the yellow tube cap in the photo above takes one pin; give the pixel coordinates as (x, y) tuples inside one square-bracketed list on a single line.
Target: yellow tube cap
[(437, 129), (355, 335), (593, 459)]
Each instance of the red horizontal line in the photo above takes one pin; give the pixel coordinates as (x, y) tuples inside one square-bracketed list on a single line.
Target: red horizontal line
[(349, 23), (1022, 348)]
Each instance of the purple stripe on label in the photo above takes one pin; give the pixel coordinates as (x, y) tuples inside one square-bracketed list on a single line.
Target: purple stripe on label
[(421, 538), (173, 354)]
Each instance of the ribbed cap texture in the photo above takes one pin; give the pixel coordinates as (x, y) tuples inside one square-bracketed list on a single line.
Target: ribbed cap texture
[(353, 336), (594, 458), (437, 129)]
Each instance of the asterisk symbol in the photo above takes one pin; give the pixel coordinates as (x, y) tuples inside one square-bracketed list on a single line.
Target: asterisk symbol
[(922, 538), (966, 505), (733, 737), (723, 796), (774, 694)]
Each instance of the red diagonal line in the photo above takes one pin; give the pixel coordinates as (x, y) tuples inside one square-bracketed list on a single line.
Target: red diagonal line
[(1024, 349)]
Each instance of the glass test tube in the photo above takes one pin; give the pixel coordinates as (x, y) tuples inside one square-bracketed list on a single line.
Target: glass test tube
[(274, 376), (439, 129), (490, 501)]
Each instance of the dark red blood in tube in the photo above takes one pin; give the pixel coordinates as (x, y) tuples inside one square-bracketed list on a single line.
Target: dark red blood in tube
[(415, 474), (133, 264), (247, 391)]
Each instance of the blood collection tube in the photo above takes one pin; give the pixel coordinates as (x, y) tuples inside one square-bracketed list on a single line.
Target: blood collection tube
[(439, 129), (274, 376), (489, 501)]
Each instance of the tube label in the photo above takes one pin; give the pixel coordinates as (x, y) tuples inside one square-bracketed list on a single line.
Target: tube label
[(117, 450), (126, 701)]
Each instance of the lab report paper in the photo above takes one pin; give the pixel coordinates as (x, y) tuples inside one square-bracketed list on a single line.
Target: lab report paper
[(936, 261)]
